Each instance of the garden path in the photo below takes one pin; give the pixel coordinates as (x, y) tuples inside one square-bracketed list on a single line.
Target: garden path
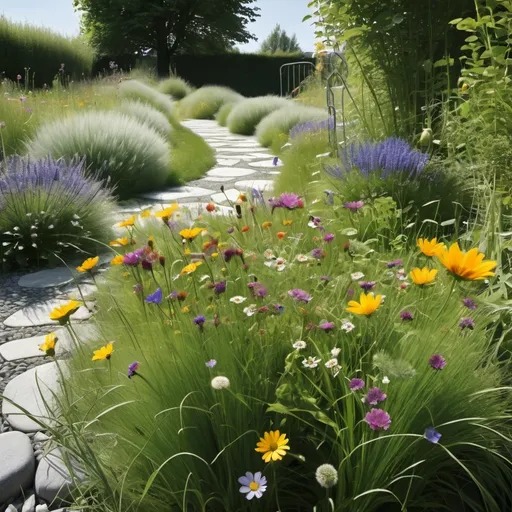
[(26, 300)]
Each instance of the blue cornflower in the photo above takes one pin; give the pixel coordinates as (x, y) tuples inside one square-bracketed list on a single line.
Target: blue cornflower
[(155, 298), (432, 435)]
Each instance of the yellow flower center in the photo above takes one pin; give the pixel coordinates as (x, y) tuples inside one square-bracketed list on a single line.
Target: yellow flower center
[(254, 486), (273, 446)]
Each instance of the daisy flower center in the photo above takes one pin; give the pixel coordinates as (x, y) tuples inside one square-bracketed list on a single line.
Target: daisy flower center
[(254, 486), (273, 446)]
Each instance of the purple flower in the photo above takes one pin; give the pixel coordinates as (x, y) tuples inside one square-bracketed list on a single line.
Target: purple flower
[(155, 298), (287, 200), (132, 369), (131, 258), (211, 363), (378, 419), (317, 253), (367, 285), (437, 362), (375, 395), (406, 316), (260, 291), (279, 309), (432, 435), (146, 264), (353, 206), (299, 295), (329, 237), (275, 161), (199, 321), (310, 127), (467, 323), (220, 287), (324, 278), (257, 196), (326, 326), (395, 263), (356, 384), (229, 254), (231, 230), (469, 303)]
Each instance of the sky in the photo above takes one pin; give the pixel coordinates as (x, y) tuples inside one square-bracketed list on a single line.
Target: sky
[(59, 16)]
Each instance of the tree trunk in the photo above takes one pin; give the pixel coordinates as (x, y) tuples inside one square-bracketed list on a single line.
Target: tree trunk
[(162, 50)]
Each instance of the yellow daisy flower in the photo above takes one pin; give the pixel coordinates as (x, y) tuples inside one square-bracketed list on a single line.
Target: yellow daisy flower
[(120, 242), (422, 276), (190, 234), (88, 264), (430, 247), (368, 304), (103, 353), (466, 265), (273, 446), (117, 260), (190, 268), (127, 223), (48, 347), (62, 313), (167, 212)]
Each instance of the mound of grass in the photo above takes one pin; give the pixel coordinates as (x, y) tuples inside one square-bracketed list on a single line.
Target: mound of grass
[(206, 102), (131, 155), (191, 155), (146, 114), (274, 129), (222, 115), (175, 87), (247, 114), (49, 206), (136, 90)]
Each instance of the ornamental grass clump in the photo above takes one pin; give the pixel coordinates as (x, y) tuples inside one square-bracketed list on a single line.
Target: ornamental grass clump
[(248, 113), (222, 115), (50, 207), (126, 154), (205, 102), (175, 87), (258, 363), (148, 115)]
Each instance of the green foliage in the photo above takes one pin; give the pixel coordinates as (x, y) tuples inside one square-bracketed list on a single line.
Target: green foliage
[(133, 156), (175, 87), (206, 102), (222, 115), (134, 89), (191, 156), (247, 114), (279, 42), (274, 129), (146, 114), (37, 54)]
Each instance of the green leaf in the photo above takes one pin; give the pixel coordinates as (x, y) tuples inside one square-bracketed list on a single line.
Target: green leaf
[(449, 222), (455, 21), (468, 24), (471, 39), (306, 18)]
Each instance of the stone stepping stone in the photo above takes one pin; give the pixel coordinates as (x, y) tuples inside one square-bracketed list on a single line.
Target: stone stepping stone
[(47, 278), (38, 314), (206, 179), (227, 161), (174, 194), (25, 390), (221, 197), (86, 289), (231, 172), (17, 466), (266, 163), (261, 185), (239, 150), (29, 347), (218, 144)]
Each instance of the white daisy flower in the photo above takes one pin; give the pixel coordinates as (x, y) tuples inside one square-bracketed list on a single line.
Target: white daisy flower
[(385, 380), (301, 258), (356, 276), (250, 310), (253, 485), (280, 268), (299, 345), (347, 326), (331, 363), (268, 254), (311, 362), (335, 352), (238, 299)]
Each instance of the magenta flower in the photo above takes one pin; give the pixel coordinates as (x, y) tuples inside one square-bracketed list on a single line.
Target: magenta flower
[(132, 369), (356, 384), (317, 253), (467, 323), (229, 254), (375, 395), (469, 303), (146, 264), (406, 316), (300, 295), (287, 200), (231, 230), (437, 362), (329, 237), (353, 206), (395, 263), (367, 285), (131, 258), (324, 278), (378, 419), (18, 77), (326, 326)]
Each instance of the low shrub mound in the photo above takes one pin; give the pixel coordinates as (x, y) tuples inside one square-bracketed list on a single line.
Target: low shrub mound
[(206, 102), (222, 115), (246, 114), (275, 128), (175, 87), (135, 90), (129, 155), (148, 115), (49, 206)]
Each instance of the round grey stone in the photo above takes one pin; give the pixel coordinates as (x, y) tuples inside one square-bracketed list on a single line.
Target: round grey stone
[(30, 504)]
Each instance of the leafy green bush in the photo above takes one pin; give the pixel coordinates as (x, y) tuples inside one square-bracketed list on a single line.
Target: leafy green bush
[(136, 90), (273, 130), (49, 207), (222, 115), (206, 359), (146, 114), (247, 114), (131, 155), (206, 102), (37, 54), (175, 87)]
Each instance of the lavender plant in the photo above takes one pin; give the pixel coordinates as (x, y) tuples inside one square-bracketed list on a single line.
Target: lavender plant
[(49, 206)]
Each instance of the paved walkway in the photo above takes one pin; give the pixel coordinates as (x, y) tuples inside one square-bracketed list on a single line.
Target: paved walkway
[(27, 299)]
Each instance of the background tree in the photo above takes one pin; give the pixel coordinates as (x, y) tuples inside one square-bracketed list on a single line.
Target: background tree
[(166, 26), (278, 41)]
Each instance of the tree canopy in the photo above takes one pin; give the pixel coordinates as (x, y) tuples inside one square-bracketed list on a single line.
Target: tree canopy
[(278, 41), (166, 26)]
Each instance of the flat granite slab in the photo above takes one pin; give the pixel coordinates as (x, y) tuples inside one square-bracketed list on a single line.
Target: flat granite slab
[(47, 278), (176, 193), (229, 172)]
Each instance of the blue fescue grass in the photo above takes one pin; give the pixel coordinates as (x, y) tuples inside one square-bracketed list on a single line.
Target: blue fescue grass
[(175, 87)]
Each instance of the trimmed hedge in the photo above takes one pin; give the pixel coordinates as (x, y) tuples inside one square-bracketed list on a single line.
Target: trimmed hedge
[(43, 51)]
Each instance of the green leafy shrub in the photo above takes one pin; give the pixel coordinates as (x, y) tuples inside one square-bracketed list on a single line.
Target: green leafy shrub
[(273, 130), (205, 102), (132, 156), (175, 87), (50, 207), (136, 90), (37, 54), (148, 115), (222, 115), (247, 114)]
